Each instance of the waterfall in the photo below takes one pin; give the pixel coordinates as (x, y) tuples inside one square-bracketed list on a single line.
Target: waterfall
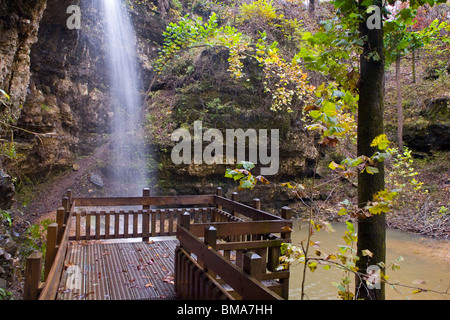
[(129, 165)]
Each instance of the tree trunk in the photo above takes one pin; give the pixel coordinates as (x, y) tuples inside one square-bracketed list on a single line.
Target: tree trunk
[(312, 7), (399, 104), (371, 231), (414, 66)]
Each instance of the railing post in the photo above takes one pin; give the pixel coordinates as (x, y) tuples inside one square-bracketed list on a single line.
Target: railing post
[(33, 273), (252, 265), (52, 244), (69, 197), (235, 198), (65, 205), (60, 221), (286, 215), (219, 192), (185, 220), (257, 204), (210, 239), (145, 217)]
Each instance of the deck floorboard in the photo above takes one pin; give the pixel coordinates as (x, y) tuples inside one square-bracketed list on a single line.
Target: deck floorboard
[(119, 271)]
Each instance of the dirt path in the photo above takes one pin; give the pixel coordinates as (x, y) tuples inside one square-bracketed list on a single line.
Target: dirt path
[(46, 201)]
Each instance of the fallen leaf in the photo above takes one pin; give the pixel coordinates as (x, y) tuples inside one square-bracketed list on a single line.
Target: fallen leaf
[(148, 285), (168, 279)]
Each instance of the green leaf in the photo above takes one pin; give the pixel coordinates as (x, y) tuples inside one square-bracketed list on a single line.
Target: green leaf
[(246, 184), (236, 175), (350, 226), (372, 170), (246, 165)]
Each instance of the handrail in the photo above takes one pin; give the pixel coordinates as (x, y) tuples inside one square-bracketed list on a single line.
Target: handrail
[(243, 228), (250, 212), (245, 285), (204, 286), (50, 289), (145, 201)]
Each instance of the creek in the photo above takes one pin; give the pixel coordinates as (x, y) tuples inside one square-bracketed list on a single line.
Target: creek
[(425, 264)]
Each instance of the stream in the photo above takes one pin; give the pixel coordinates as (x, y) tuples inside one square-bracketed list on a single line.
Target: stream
[(425, 264)]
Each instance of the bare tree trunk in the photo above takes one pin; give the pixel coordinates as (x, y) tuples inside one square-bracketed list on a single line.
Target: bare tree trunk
[(372, 230), (399, 104), (312, 7)]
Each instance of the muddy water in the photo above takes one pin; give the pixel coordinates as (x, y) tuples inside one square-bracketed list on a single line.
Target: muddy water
[(426, 263)]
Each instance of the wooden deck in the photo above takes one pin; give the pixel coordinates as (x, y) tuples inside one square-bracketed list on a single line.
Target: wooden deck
[(119, 271), (224, 250)]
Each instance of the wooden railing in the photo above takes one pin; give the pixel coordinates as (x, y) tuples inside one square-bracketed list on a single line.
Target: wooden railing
[(240, 255), (241, 231), (57, 243)]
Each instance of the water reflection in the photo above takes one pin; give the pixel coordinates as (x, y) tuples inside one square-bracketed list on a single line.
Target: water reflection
[(426, 264)]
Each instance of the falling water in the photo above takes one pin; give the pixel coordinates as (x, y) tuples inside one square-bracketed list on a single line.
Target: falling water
[(128, 147)]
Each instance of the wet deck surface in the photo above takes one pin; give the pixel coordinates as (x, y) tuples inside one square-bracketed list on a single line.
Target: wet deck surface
[(119, 271)]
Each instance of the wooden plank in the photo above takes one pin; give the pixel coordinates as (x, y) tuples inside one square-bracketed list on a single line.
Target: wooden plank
[(116, 273), (145, 225), (135, 267), (242, 228), (92, 291), (243, 209), (107, 225), (116, 225), (125, 224), (144, 201), (135, 222), (159, 265), (78, 226), (172, 217), (153, 218), (88, 226), (249, 244), (73, 278), (97, 225), (50, 289), (162, 221), (98, 275), (245, 285), (32, 276), (199, 280)]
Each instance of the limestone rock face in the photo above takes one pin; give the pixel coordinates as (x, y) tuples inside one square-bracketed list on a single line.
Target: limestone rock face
[(19, 25), (432, 133), (60, 84), (6, 191), (198, 87)]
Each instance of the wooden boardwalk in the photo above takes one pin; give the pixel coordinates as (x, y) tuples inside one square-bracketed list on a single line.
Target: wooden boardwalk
[(119, 271), (223, 250)]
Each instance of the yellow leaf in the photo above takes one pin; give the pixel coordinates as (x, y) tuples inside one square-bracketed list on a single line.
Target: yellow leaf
[(367, 252), (381, 141)]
